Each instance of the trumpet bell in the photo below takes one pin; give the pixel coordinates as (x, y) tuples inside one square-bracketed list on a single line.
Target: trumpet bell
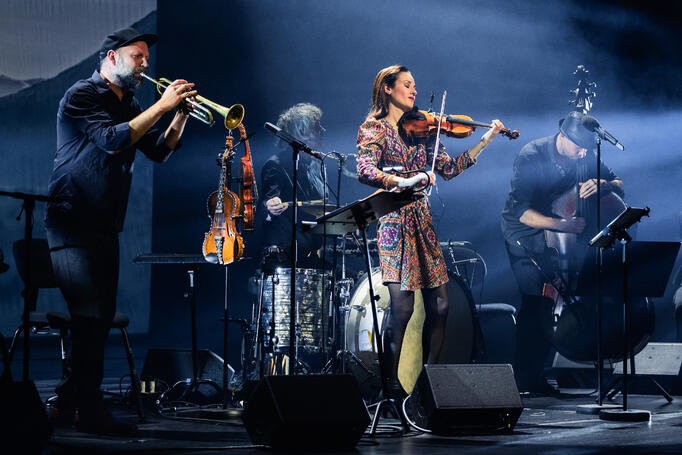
[(233, 115)]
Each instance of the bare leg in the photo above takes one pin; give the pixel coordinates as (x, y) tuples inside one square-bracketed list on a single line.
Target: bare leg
[(435, 321)]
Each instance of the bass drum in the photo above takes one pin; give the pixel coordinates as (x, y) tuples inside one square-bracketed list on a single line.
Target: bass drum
[(363, 362)]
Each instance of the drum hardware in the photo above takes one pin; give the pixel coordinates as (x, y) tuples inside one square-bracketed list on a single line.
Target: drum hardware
[(270, 317), (464, 260)]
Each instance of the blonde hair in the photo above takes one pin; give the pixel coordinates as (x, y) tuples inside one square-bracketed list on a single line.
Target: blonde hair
[(380, 99)]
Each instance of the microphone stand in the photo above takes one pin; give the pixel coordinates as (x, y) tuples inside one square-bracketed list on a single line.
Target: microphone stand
[(296, 148)]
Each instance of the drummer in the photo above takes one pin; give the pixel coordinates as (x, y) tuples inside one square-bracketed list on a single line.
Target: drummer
[(410, 255), (302, 121)]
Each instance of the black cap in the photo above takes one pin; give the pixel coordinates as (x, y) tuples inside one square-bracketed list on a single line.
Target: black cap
[(572, 127), (125, 37)]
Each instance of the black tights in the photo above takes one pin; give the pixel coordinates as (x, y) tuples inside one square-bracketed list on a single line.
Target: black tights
[(436, 316)]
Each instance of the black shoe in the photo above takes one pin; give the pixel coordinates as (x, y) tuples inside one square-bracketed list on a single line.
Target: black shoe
[(396, 392), (539, 387), (101, 421), (62, 411)]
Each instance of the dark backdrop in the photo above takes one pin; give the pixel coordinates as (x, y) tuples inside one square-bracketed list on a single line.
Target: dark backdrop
[(511, 60)]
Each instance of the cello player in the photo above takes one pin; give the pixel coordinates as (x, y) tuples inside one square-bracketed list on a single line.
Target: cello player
[(545, 169)]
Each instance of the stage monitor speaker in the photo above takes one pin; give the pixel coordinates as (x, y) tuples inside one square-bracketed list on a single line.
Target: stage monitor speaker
[(173, 365), (456, 399), (24, 427), (323, 412)]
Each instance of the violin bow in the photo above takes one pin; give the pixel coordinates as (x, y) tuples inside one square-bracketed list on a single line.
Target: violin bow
[(435, 150)]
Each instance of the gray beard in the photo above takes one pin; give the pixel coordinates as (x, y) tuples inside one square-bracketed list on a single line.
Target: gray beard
[(127, 81)]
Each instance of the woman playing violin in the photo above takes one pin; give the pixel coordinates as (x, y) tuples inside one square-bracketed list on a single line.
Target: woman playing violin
[(409, 251)]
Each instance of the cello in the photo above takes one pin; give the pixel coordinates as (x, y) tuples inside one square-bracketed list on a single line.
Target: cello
[(572, 330), (222, 243)]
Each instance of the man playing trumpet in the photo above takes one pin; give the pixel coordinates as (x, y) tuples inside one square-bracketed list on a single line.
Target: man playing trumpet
[(100, 125)]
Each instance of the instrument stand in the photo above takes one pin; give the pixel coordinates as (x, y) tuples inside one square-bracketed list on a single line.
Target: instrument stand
[(27, 207), (617, 230), (226, 324), (357, 216), (195, 382)]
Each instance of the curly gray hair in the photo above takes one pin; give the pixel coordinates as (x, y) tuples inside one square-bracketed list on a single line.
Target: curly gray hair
[(301, 121)]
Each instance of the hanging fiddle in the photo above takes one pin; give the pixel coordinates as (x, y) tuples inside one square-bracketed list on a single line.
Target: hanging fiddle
[(248, 190), (223, 244)]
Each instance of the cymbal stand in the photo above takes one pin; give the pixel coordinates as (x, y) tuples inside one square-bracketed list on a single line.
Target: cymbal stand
[(342, 298)]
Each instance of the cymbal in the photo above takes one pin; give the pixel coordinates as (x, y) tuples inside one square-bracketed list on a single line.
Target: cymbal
[(315, 207)]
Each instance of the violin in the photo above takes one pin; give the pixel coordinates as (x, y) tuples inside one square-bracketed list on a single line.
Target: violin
[(248, 190), (420, 123), (223, 244)]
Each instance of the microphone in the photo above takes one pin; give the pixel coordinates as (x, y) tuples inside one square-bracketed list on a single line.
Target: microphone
[(292, 141), (591, 124)]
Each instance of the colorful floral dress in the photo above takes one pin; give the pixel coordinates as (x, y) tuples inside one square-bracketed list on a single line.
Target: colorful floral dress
[(409, 251)]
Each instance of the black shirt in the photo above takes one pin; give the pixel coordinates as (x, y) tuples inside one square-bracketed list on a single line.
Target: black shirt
[(277, 181), (538, 180), (91, 181)]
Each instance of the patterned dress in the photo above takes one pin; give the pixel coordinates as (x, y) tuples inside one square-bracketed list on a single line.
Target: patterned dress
[(409, 251)]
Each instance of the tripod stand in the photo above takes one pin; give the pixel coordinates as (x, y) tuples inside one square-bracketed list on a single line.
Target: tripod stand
[(357, 216)]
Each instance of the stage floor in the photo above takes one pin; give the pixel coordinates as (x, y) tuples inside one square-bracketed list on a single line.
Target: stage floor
[(546, 426)]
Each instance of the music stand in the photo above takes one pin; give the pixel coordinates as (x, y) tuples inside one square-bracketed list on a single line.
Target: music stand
[(359, 215), (191, 261), (616, 230)]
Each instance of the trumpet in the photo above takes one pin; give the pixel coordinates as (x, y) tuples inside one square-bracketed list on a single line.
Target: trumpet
[(233, 115)]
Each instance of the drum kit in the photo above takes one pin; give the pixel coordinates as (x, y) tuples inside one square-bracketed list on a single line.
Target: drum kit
[(334, 325)]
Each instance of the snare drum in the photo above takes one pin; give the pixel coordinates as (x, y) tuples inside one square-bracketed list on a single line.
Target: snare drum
[(311, 319), (460, 333)]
